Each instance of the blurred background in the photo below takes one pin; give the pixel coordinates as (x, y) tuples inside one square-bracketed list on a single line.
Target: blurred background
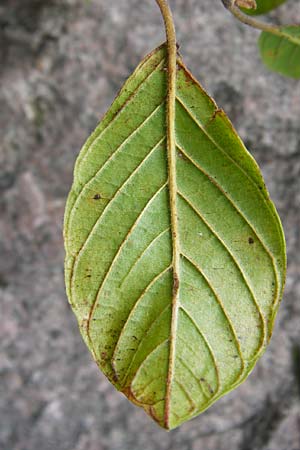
[(62, 63)]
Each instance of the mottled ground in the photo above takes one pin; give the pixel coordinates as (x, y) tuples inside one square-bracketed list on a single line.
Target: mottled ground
[(61, 65)]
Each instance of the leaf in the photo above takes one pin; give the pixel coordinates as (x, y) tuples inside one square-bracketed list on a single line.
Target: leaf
[(282, 53), (173, 343), (264, 6)]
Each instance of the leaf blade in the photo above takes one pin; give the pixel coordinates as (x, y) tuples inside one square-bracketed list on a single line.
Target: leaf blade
[(119, 249), (282, 53)]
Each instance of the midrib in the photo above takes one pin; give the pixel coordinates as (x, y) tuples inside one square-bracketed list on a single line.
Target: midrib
[(171, 157)]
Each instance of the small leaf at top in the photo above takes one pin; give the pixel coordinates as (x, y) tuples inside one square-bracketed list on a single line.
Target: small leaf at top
[(282, 53), (264, 6), (173, 341)]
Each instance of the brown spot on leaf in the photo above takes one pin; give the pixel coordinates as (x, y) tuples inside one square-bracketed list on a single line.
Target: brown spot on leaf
[(216, 113), (251, 240), (175, 284), (204, 381), (84, 324), (115, 378), (97, 197)]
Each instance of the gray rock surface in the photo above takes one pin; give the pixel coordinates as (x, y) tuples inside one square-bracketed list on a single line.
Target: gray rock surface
[(62, 62)]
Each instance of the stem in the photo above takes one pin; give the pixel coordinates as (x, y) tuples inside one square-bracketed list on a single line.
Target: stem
[(171, 151), (248, 20), (169, 25)]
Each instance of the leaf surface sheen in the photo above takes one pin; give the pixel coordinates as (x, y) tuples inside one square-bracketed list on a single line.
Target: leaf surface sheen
[(119, 246)]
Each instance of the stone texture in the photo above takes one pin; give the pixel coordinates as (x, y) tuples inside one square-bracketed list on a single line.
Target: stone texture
[(62, 63)]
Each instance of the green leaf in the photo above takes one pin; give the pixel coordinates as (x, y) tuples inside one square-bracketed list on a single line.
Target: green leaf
[(172, 343), (282, 53), (264, 6)]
